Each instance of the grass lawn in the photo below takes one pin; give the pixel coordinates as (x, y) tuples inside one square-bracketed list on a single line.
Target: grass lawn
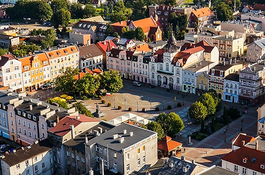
[(188, 1), (199, 136), (218, 126), (74, 20)]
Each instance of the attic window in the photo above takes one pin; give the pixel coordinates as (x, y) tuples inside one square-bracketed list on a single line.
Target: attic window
[(245, 160), (262, 166), (58, 53), (65, 51)]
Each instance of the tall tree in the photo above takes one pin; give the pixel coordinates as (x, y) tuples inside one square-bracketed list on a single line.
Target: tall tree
[(58, 5), (76, 10), (111, 81), (61, 17), (139, 34), (208, 101), (89, 10), (154, 126), (110, 31), (224, 12), (198, 111), (43, 10), (88, 85), (225, 116), (170, 123)]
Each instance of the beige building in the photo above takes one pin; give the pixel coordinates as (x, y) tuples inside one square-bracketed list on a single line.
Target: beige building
[(79, 38), (61, 58), (123, 149), (256, 50), (34, 159), (202, 81)]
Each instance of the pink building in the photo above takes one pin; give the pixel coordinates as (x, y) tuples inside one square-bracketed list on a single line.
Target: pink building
[(11, 72)]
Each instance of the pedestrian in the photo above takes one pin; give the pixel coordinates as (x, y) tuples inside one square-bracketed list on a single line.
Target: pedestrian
[(184, 150)]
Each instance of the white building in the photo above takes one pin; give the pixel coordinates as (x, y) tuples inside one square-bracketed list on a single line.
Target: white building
[(34, 159), (231, 88)]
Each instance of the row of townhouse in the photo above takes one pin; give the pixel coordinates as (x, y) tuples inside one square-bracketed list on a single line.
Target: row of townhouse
[(29, 73), (184, 69)]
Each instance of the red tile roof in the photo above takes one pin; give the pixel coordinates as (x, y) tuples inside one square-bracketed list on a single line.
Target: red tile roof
[(237, 141), (259, 7), (193, 50), (84, 118), (255, 158), (63, 127), (79, 76), (106, 45), (202, 12), (97, 71), (145, 24), (167, 144)]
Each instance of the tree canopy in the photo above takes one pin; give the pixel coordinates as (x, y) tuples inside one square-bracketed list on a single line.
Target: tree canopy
[(139, 34), (22, 50), (154, 126), (170, 123), (58, 5), (208, 101), (198, 111), (224, 12), (88, 85), (111, 81), (89, 10), (61, 17)]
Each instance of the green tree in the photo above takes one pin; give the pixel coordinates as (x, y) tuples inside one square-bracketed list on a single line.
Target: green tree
[(76, 10), (22, 50), (111, 81), (154, 126), (48, 41), (170, 123), (198, 111), (61, 17), (110, 31), (82, 109), (58, 5), (224, 12), (88, 85), (118, 16), (208, 101), (115, 34), (139, 34), (66, 83), (2, 51), (43, 10), (124, 30), (170, 2), (89, 10), (225, 116)]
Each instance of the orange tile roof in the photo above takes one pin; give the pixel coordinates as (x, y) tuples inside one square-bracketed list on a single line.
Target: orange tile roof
[(242, 137), (26, 61), (88, 70), (237, 156), (145, 24), (193, 50), (84, 118), (79, 76), (63, 126), (97, 71), (202, 12), (143, 47), (167, 144), (120, 24), (62, 52)]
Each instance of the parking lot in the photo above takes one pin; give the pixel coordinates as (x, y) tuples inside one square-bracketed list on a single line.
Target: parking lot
[(30, 26)]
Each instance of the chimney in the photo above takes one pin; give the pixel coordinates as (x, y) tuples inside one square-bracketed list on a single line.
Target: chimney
[(100, 130), (72, 127), (91, 172), (57, 119), (115, 136), (86, 140), (243, 142), (124, 131), (193, 161), (121, 139), (30, 107), (96, 133), (36, 142), (182, 158), (131, 134), (257, 145), (78, 117)]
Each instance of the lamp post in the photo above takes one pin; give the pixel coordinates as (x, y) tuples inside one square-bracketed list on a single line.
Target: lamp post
[(242, 125), (225, 130), (163, 105), (150, 105), (114, 102), (137, 105), (183, 96), (175, 99)]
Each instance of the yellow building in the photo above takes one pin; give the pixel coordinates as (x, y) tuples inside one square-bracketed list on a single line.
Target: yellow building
[(202, 82)]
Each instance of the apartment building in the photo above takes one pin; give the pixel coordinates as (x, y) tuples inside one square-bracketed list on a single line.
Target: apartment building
[(231, 88), (251, 84), (254, 17), (217, 75), (7, 41), (11, 73), (34, 159), (64, 130), (256, 50), (90, 57), (200, 17), (104, 47), (123, 149), (62, 57), (75, 148)]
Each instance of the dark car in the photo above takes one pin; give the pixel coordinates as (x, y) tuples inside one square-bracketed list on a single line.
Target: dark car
[(6, 149)]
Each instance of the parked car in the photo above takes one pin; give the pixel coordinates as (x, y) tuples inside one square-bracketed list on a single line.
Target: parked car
[(3, 146), (6, 149), (136, 83)]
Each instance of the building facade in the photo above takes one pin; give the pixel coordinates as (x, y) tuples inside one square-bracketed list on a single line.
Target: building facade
[(231, 88), (256, 50)]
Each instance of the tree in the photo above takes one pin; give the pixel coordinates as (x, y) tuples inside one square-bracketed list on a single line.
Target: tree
[(66, 82), (124, 30), (88, 85), (234, 113), (89, 10), (111, 81), (139, 34), (208, 101), (2, 51), (170, 123), (43, 10), (170, 2), (224, 12), (76, 10), (58, 5), (22, 50), (48, 41), (115, 34), (61, 17), (154, 126), (82, 109), (110, 31), (198, 111), (118, 16), (225, 116)]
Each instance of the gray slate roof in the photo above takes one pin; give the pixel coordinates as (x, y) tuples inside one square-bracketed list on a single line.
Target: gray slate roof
[(260, 43), (106, 139), (218, 171), (4, 98)]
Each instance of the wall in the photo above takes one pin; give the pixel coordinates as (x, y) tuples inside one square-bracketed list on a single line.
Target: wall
[(78, 38)]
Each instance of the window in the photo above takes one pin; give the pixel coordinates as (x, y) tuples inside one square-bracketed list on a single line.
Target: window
[(35, 158), (18, 166), (19, 130), (139, 162), (42, 126), (27, 162), (128, 156), (244, 170), (143, 148), (83, 160), (34, 127), (73, 156), (36, 168), (67, 153), (254, 173), (29, 125), (12, 130), (115, 155), (138, 151), (24, 123), (35, 136), (128, 168), (43, 165), (25, 132), (143, 159), (235, 168), (29, 134), (7, 70), (43, 135)]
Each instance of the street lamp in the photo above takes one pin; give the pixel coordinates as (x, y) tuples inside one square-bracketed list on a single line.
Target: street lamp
[(242, 125), (137, 105), (183, 96), (163, 105), (150, 105), (114, 102), (225, 130)]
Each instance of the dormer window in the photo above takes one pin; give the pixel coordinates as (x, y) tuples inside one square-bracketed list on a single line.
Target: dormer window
[(213, 72), (262, 166), (245, 160)]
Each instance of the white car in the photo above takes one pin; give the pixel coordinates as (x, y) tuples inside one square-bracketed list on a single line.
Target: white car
[(136, 83)]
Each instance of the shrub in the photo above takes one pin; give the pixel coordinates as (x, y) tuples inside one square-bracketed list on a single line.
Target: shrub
[(169, 107), (82, 109), (84, 97), (143, 109), (179, 105), (104, 119), (109, 104), (61, 102), (103, 101), (119, 107), (130, 109), (100, 97), (157, 108)]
